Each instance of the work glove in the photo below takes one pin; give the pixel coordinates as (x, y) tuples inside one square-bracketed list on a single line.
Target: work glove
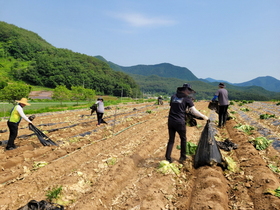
[(32, 117), (205, 117)]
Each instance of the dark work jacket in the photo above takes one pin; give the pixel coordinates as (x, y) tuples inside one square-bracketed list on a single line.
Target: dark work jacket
[(179, 102)]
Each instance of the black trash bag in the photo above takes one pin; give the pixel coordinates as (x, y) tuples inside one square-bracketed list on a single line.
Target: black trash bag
[(207, 152), (227, 145), (41, 205), (44, 140), (213, 105), (191, 119), (32, 117), (93, 108)]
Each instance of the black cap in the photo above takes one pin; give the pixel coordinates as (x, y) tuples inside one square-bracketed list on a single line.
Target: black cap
[(100, 99)]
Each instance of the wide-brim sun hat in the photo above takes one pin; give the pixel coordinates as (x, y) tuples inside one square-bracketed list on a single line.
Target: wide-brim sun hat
[(221, 84), (23, 101), (188, 86)]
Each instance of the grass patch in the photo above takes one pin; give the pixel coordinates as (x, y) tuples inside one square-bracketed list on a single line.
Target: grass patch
[(45, 105), (54, 193)]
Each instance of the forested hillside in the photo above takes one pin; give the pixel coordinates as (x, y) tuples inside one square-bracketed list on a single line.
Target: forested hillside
[(166, 70), (167, 86), (25, 56), (268, 82), (156, 85)]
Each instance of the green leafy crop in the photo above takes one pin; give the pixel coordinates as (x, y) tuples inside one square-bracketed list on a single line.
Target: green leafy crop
[(274, 192), (245, 128), (245, 109), (266, 116), (275, 169), (261, 143), (168, 168), (190, 148)]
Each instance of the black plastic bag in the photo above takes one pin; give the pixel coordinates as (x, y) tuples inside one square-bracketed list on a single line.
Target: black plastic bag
[(191, 119), (227, 145), (44, 140), (213, 105), (93, 108), (207, 152), (41, 205)]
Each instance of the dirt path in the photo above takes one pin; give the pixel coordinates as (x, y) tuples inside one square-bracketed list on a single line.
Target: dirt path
[(115, 166)]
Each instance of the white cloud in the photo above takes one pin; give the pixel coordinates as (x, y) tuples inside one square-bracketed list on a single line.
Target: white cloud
[(139, 20)]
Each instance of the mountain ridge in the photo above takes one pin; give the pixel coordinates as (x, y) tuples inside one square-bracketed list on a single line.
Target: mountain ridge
[(268, 82), (163, 70), (28, 58), (153, 83)]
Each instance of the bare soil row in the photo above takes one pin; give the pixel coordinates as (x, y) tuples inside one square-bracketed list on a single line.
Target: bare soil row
[(115, 166)]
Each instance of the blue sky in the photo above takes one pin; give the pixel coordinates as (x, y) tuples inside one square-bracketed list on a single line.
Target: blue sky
[(232, 40)]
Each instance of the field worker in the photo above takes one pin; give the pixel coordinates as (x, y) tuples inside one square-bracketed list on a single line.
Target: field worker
[(14, 120), (222, 95), (160, 100), (99, 111), (179, 103)]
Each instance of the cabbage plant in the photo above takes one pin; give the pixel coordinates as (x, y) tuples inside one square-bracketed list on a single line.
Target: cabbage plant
[(169, 168), (261, 143)]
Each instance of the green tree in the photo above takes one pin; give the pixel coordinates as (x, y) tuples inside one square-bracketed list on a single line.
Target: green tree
[(90, 94), (78, 93), (61, 93), (3, 84), (16, 91)]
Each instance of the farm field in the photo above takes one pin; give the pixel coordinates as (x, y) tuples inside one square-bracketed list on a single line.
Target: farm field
[(115, 166), (6, 107)]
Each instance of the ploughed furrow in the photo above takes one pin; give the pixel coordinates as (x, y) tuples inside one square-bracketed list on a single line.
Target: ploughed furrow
[(211, 186), (13, 163), (265, 107), (102, 174), (134, 172), (268, 128), (115, 166), (205, 184), (254, 173), (71, 118), (71, 127)]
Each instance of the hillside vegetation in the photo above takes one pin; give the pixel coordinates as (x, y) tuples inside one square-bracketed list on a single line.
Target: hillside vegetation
[(163, 79), (25, 56), (163, 70), (268, 82)]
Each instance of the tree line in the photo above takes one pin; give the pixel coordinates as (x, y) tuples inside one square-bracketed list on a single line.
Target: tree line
[(13, 92), (45, 65), (30, 59), (157, 85)]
